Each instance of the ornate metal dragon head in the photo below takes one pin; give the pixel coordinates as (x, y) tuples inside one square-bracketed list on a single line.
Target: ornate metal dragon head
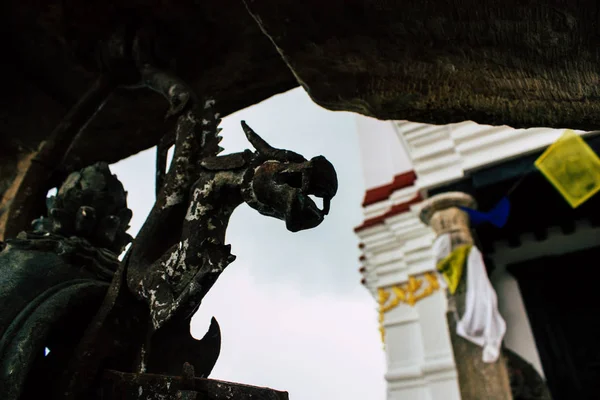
[(283, 181)]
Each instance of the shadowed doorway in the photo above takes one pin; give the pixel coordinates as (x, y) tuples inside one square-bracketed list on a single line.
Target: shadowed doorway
[(562, 299)]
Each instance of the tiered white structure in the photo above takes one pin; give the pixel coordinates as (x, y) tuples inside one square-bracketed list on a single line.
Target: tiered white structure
[(401, 161)]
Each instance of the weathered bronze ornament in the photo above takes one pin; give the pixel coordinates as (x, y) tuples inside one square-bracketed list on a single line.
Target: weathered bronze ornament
[(77, 323)]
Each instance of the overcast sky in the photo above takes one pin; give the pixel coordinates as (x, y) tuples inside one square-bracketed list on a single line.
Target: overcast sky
[(292, 311)]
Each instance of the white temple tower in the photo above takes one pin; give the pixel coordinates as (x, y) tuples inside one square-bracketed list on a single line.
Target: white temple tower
[(405, 163)]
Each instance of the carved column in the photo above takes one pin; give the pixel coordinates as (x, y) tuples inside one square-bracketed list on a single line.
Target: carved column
[(477, 380)]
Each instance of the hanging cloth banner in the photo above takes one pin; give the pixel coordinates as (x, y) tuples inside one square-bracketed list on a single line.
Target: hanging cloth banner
[(497, 216), (572, 167), (449, 263), (481, 322), (453, 265)]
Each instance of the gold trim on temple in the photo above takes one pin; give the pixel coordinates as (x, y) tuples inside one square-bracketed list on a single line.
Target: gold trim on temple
[(410, 293)]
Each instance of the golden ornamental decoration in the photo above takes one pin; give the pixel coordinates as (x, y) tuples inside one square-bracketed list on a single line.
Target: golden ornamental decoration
[(410, 293)]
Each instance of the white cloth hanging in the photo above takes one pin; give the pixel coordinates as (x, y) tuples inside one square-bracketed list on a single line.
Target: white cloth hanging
[(442, 247), (481, 323)]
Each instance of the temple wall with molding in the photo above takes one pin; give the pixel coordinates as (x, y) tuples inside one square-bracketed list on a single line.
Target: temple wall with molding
[(402, 161)]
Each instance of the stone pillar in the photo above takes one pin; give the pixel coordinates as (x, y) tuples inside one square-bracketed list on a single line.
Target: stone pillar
[(477, 380)]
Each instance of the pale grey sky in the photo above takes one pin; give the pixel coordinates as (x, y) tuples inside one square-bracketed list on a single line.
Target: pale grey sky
[(292, 311)]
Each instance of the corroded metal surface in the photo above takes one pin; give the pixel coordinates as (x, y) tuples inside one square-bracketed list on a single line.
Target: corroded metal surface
[(118, 385), (133, 316), (53, 280), (29, 187)]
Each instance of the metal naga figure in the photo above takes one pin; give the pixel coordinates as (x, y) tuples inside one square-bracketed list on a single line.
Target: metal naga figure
[(121, 329)]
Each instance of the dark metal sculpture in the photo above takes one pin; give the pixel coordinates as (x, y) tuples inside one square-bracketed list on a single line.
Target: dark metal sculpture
[(122, 329)]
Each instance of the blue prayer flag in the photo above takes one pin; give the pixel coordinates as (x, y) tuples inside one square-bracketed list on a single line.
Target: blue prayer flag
[(497, 216)]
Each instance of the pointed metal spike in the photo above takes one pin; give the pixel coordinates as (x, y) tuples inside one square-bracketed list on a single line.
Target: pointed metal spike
[(205, 352), (259, 143)]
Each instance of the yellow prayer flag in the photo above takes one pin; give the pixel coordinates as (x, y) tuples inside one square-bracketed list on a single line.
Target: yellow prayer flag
[(453, 265), (572, 167)]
